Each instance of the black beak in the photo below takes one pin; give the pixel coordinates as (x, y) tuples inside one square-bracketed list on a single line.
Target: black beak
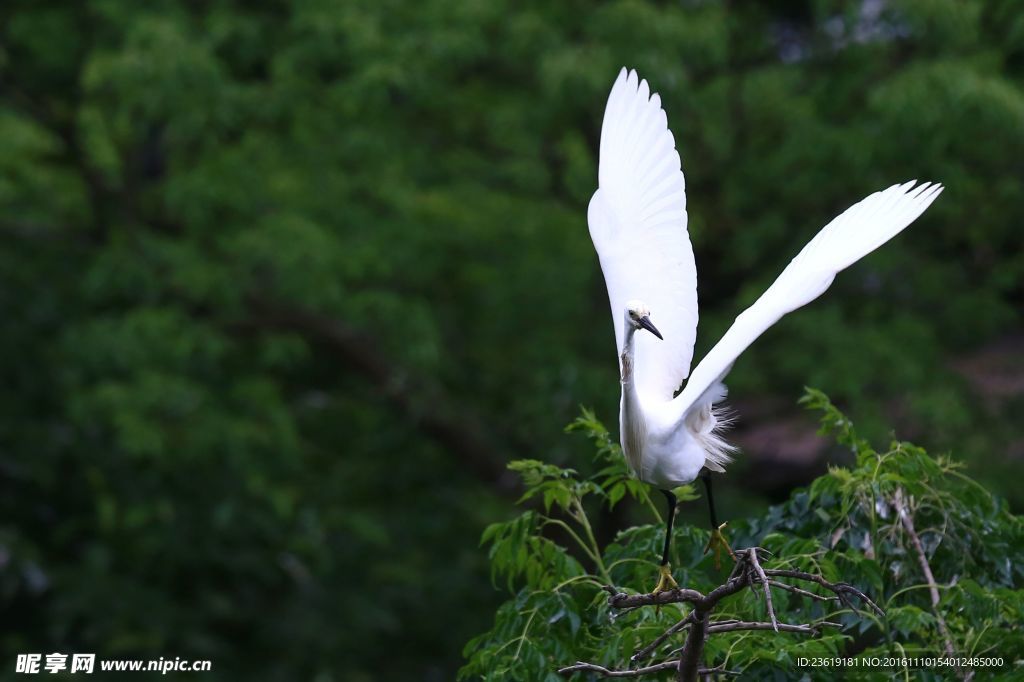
[(646, 323)]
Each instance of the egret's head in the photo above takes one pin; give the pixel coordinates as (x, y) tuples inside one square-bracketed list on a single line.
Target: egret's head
[(639, 316)]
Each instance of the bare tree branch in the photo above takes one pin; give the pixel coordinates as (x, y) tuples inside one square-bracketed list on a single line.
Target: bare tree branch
[(657, 668), (693, 649), (698, 625), (660, 639), (808, 628), (605, 672), (900, 502), (803, 593), (843, 591), (756, 565)]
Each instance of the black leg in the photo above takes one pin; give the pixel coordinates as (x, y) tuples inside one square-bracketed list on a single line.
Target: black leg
[(717, 541), (672, 501), (706, 477)]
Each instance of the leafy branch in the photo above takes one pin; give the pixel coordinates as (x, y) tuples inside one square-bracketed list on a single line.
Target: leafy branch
[(942, 558)]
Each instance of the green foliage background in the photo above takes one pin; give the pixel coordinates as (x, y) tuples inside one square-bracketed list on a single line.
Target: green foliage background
[(285, 285)]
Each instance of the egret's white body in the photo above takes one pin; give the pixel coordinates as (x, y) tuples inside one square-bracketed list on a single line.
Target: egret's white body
[(637, 221)]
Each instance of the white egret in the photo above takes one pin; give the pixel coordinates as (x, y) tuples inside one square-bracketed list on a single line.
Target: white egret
[(637, 221)]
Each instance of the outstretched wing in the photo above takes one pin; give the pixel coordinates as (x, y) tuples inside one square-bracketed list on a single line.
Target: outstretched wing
[(861, 229), (637, 221)]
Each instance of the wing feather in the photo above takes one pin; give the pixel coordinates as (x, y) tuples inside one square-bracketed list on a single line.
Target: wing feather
[(858, 231), (637, 221)]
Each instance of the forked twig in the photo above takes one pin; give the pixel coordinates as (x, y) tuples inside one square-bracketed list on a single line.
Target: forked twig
[(843, 591), (756, 565)]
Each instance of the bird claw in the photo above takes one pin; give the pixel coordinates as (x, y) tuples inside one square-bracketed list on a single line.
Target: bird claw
[(666, 582), (716, 543)]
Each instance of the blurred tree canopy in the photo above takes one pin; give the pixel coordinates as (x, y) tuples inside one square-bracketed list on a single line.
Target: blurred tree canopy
[(284, 285)]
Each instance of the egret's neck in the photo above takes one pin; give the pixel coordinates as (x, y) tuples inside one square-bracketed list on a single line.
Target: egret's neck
[(632, 423), (626, 359), (630, 400)]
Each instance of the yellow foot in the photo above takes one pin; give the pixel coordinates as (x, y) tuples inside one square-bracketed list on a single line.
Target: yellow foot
[(717, 543), (665, 580)]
